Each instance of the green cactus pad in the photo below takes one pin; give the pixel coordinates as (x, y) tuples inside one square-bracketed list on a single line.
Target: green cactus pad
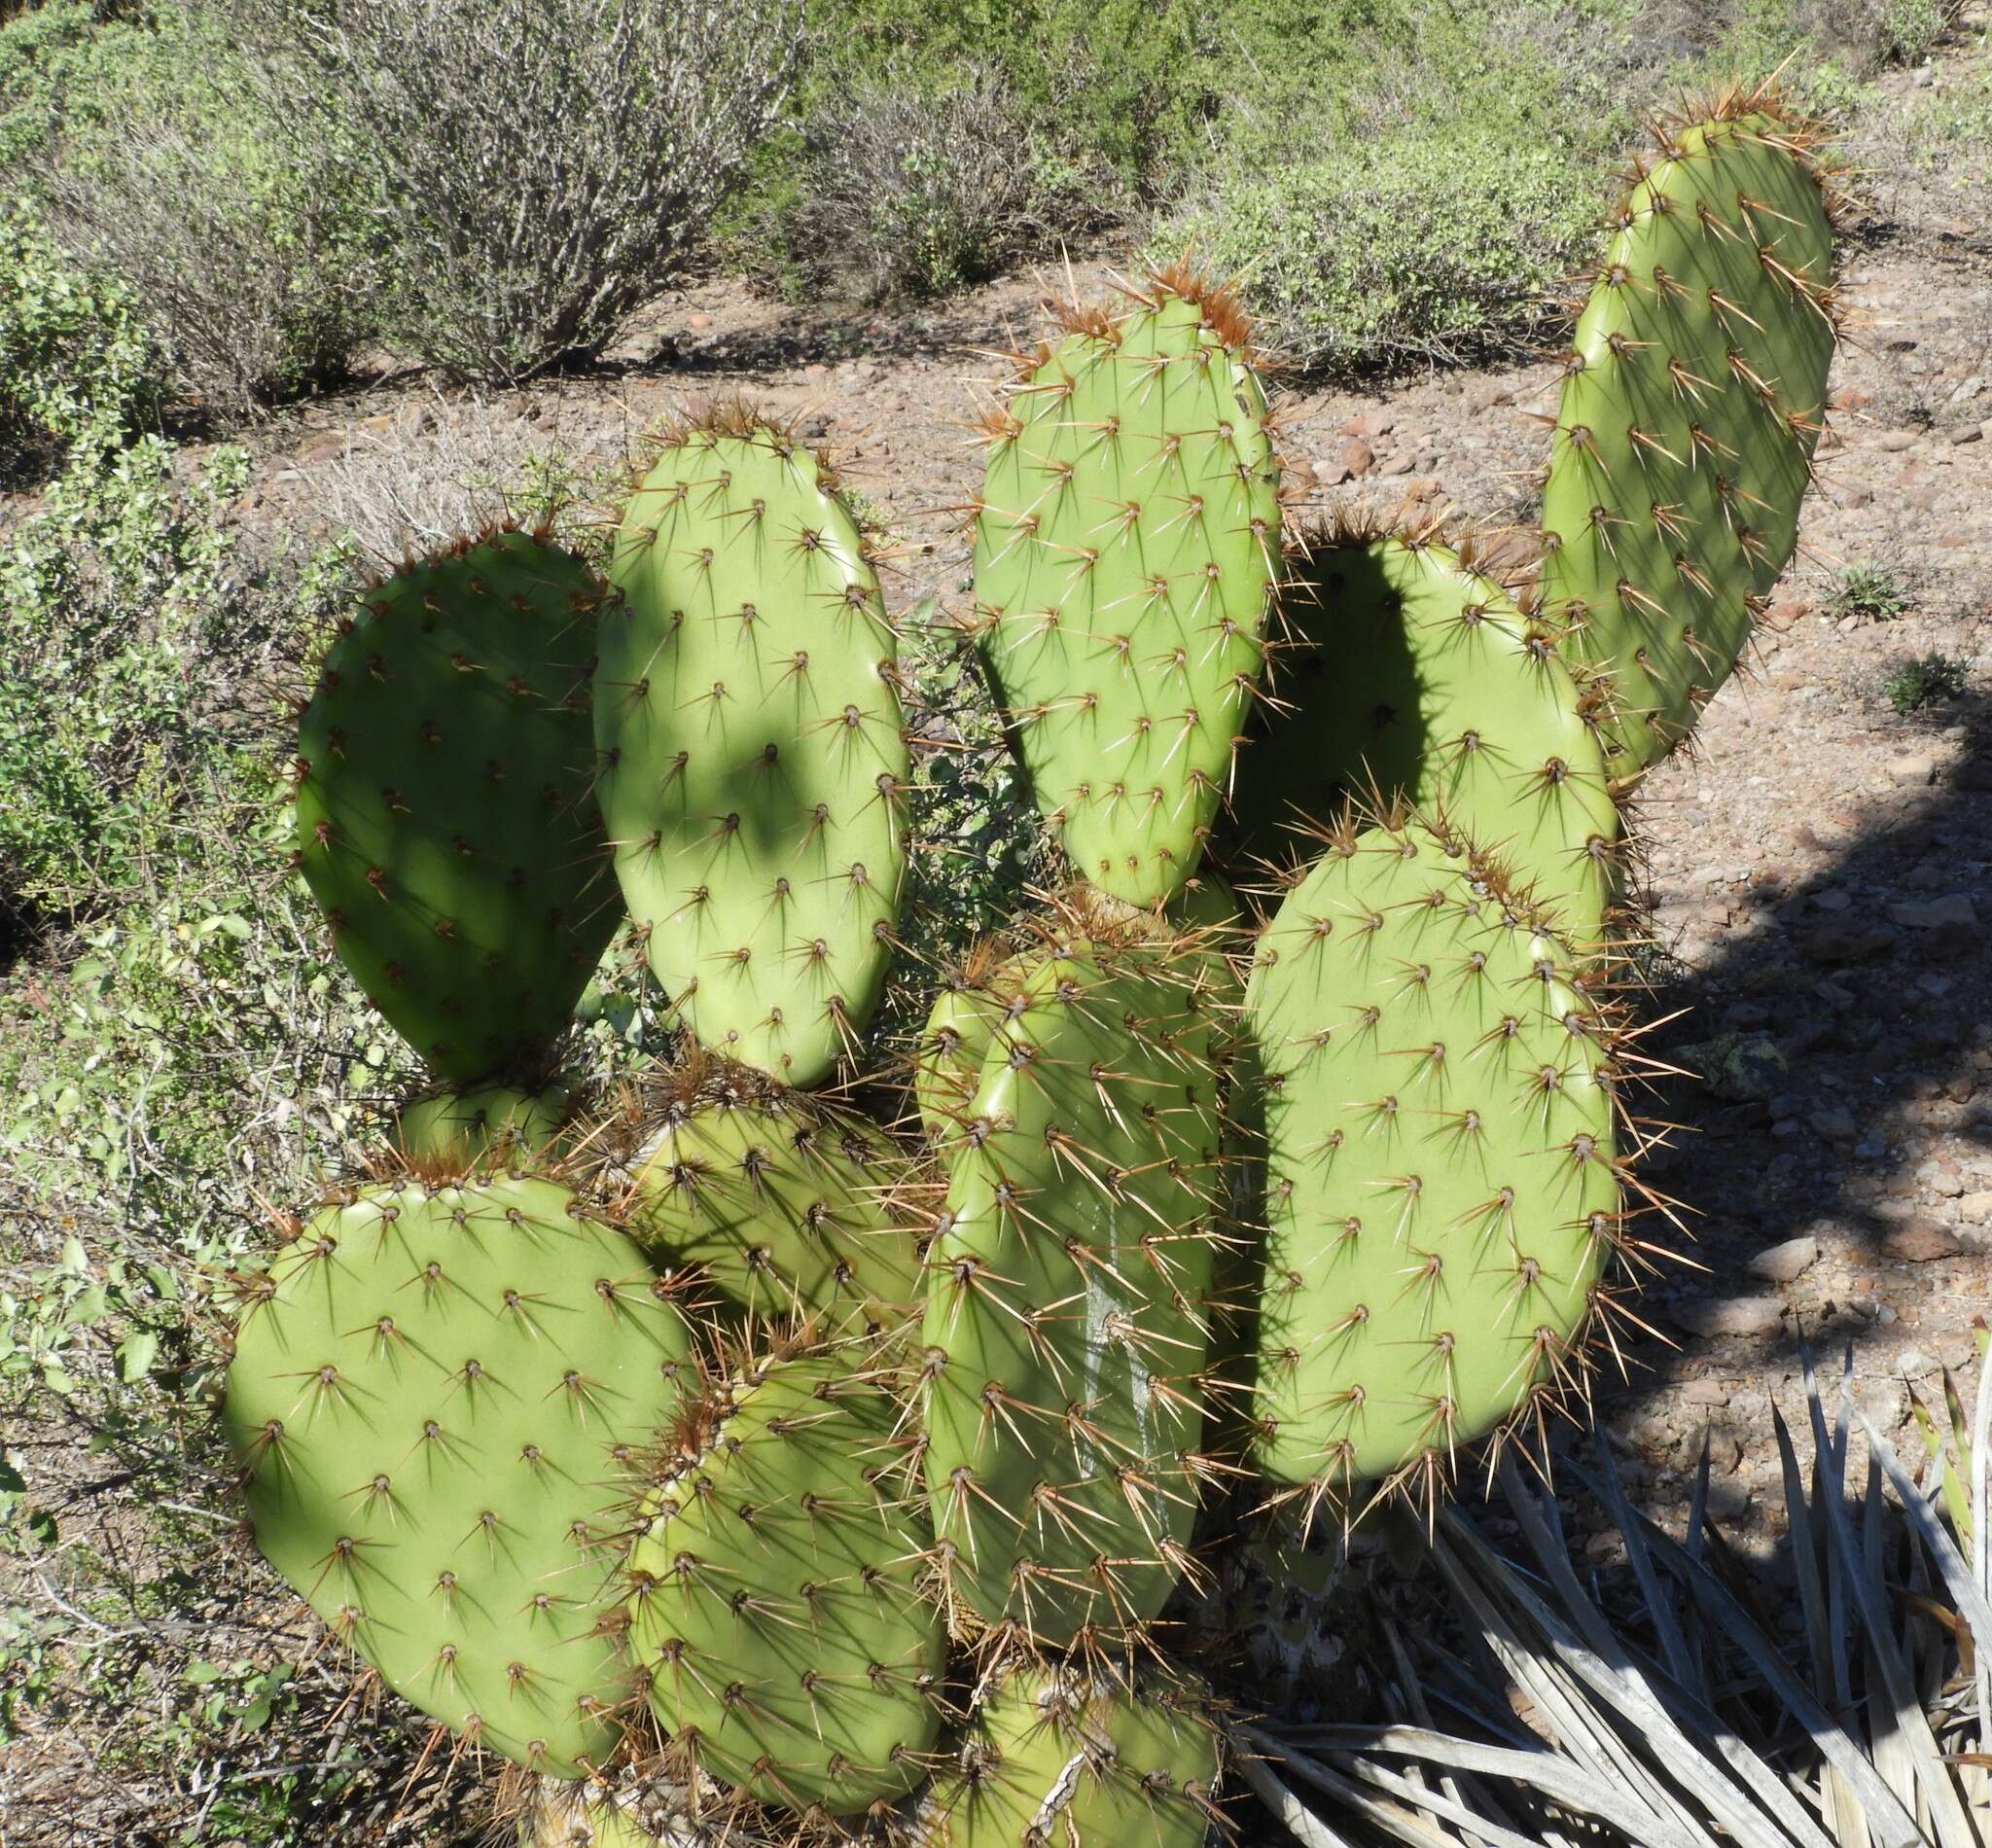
[(752, 761), (1415, 676), (1440, 1176), (434, 1394), (1065, 1328), (1693, 398), (787, 1213), (1126, 540), (456, 1129), (777, 1607), (1050, 1759), (444, 815)]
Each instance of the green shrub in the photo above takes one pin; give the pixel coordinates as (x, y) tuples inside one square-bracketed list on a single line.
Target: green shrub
[(108, 598), (1925, 680), (902, 190), (1873, 593), (76, 365), (1438, 246)]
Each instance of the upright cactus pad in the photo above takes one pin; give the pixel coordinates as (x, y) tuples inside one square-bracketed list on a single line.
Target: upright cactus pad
[(789, 1214), (444, 820), (751, 768), (1442, 1190), (1694, 396), (1126, 538), (1065, 1328), (1413, 676), (1055, 1758), (776, 1604), (435, 1393)]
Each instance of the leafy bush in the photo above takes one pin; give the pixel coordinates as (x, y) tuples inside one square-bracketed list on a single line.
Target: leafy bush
[(76, 366), (106, 597), (914, 193), (242, 249), (1443, 247), (1926, 680), (537, 170)]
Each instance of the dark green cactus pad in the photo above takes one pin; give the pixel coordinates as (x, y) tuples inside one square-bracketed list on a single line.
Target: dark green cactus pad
[(445, 819), (487, 1125), (752, 770), (1694, 396), (1442, 1190), (777, 1605), (1126, 538), (787, 1213), (1051, 1759), (1065, 1328), (436, 1395), (1413, 676)]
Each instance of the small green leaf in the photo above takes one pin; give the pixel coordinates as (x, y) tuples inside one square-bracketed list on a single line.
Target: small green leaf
[(136, 1353)]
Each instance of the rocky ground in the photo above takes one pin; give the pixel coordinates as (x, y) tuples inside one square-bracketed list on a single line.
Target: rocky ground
[(1818, 868)]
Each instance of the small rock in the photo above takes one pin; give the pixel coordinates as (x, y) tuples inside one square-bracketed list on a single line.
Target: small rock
[(322, 448), (1975, 1207), (1705, 1392), (1870, 1148), (1397, 465), (1913, 1362), (1783, 615), (1329, 472), (1916, 771), (1785, 1262), (1737, 1315), (1968, 433), (1933, 913), (698, 323), (1922, 1242), (1357, 457), (1728, 1499), (1898, 440), (1834, 1124)]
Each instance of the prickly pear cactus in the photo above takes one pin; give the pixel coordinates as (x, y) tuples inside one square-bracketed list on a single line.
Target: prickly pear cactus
[(1065, 1329), (1693, 398), (1053, 1758), (776, 1605), (1413, 675), (1442, 1182), (445, 819), (454, 1129), (789, 1213), (752, 766), (434, 1395), (1127, 537)]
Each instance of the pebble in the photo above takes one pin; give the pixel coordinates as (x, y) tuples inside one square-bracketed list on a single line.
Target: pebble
[(1913, 1362), (1705, 1392), (1785, 1262), (1922, 1242), (1933, 913), (1836, 1125), (1975, 1207), (1914, 772), (1898, 440), (1737, 1315), (1357, 457)]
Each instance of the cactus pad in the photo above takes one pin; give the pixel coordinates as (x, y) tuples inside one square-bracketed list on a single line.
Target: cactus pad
[(787, 1213), (1052, 1759), (434, 1394), (1442, 1185), (751, 762), (444, 815), (777, 1607), (1126, 538), (1694, 396), (1415, 676), (1065, 1329), (456, 1129)]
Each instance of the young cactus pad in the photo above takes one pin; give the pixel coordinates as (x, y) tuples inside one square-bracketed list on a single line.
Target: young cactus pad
[(788, 1213), (444, 820), (776, 1603), (1413, 676), (1052, 1758), (456, 1129), (1065, 1329), (751, 762), (1126, 538), (1694, 396), (434, 1395), (1441, 1191)]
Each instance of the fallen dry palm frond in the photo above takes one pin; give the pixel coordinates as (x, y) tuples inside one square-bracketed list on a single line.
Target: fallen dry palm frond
[(1685, 1722)]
